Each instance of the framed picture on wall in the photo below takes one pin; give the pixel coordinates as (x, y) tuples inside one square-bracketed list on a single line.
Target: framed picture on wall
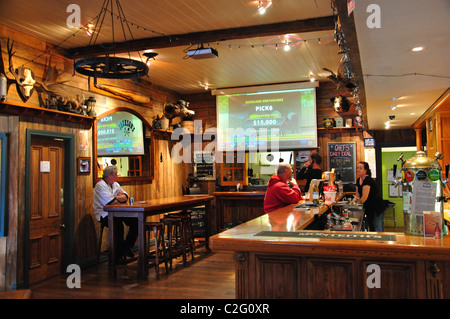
[(84, 165)]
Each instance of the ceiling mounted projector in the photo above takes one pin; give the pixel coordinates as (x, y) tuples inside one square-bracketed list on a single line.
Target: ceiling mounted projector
[(202, 53)]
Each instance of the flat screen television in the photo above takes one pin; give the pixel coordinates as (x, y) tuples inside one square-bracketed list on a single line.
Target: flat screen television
[(273, 117), (120, 134)]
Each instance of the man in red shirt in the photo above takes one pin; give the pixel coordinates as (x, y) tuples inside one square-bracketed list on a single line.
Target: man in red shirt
[(282, 189)]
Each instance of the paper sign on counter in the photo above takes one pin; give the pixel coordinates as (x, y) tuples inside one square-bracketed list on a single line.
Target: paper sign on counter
[(423, 198)]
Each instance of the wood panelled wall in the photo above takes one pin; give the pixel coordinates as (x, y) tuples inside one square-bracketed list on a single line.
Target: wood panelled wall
[(169, 177), (9, 244)]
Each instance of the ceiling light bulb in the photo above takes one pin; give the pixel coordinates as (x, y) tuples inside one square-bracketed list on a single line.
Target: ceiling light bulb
[(261, 8), (287, 47), (150, 56), (89, 29), (417, 49)]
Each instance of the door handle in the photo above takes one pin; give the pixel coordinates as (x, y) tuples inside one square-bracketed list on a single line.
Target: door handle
[(62, 226), (61, 193)]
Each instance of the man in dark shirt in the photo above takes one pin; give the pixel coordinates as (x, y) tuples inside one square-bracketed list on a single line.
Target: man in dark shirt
[(311, 170)]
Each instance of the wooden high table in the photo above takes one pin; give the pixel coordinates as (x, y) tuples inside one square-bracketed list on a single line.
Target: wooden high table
[(275, 257), (141, 210)]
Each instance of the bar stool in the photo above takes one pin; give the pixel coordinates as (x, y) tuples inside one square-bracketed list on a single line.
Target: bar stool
[(175, 237), (186, 227), (155, 256), (99, 246)]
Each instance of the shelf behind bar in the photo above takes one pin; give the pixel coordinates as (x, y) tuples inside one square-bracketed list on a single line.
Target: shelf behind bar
[(40, 112)]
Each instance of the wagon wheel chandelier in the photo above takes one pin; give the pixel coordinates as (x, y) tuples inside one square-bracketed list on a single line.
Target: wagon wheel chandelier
[(111, 67)]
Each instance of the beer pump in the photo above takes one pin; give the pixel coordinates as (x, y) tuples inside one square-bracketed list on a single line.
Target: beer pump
[(422, 191)]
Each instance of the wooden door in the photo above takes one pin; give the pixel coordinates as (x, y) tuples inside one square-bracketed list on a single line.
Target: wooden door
[(46, 208)]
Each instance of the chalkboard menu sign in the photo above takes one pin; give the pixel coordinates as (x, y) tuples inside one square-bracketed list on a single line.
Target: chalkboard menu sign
[(341, 157), (198, 221), (204, 166)]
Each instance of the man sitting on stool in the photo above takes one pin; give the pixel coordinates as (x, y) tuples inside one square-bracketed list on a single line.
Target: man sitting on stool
[(107, 192), (282, 189)]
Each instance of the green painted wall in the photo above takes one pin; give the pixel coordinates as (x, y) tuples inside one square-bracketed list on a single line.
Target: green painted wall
[(388, 159)]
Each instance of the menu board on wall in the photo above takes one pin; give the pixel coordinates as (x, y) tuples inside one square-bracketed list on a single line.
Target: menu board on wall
[(198, 221), (204, 166), (341, 157)]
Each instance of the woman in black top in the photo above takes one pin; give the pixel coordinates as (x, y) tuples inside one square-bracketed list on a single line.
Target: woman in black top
[(311, 170), (368, 195)]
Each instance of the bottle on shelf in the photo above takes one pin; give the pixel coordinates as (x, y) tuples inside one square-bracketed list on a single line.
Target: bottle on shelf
[(330, 223), (347, 225), (437, 232), (315, 193)]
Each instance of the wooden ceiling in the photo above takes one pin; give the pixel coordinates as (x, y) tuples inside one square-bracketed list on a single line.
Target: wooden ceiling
[(250, 45)]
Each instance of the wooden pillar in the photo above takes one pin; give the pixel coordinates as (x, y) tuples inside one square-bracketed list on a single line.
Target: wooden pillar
[(418, 138)]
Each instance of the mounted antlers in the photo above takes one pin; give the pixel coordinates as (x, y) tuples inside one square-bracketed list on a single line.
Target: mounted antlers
[(25, 83), (22, 76)]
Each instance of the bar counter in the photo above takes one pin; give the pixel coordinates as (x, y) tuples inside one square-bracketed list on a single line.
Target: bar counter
[(276, 258), (236, 207)]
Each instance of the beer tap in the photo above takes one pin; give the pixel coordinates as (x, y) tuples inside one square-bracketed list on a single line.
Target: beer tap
[(400, 158), (446, 176), (439, 156), (399, 180)]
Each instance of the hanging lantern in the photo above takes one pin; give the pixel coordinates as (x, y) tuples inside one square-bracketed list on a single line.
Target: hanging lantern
[(107, 66)]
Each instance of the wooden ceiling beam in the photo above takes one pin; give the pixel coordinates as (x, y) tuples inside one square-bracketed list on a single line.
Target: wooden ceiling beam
[(298, 26)]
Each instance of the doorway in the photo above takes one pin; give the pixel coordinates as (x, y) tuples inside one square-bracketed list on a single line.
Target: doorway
[(49, 204), (388, 154)]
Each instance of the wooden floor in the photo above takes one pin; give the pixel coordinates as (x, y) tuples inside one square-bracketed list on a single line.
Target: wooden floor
[(209, 276)]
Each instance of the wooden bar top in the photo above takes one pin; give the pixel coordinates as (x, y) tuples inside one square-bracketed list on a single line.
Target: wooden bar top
[(242, 238), (160, 204), (250, 194)]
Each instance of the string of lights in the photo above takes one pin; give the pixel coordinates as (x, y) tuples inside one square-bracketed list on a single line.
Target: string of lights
[(406, 74), (224, 43), (279, 44), (58, 45)]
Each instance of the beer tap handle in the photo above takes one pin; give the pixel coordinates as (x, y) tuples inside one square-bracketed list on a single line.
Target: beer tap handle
[(394, 180), (446, 175)]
